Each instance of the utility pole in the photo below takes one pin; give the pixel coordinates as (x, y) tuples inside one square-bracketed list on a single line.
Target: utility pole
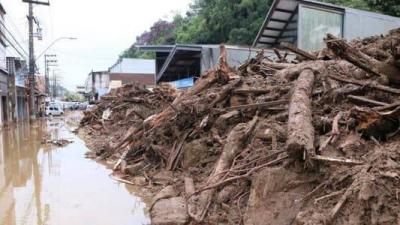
[(55, 85), (31, 67), (48, 59)]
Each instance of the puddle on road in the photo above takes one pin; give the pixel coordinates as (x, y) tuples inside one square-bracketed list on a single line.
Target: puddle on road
[(48, 185)]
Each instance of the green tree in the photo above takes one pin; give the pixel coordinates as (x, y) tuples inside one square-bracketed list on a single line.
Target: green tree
[(357, 4), (207, 22), (229, 21), (390, 7), (223, 21)]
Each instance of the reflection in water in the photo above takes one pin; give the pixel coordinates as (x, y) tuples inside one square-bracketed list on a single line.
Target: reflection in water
[(45, 185)]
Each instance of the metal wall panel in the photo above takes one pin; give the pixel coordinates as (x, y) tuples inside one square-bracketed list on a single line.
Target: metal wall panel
[(314, 24), (360, 24)]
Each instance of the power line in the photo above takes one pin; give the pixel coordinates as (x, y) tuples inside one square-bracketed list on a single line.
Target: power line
[(16, 49), (9, 18), (12, 36)]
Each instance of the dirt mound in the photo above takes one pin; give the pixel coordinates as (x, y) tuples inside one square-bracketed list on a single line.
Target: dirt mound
[(274, 142)]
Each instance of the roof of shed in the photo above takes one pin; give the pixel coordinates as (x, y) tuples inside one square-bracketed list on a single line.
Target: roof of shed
[(134, 66)]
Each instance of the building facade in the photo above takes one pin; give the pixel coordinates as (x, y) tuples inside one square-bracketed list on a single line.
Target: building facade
[(124, 71), (128, 70), (3, 72), (17, 91), (96, 85), (305, 23), (180, 65)]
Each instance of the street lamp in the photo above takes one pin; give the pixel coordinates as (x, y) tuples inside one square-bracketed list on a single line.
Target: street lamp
[(53, 43)]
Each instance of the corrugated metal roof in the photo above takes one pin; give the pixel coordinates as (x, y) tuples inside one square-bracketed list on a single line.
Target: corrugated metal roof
[(169, 48), (134, 66)]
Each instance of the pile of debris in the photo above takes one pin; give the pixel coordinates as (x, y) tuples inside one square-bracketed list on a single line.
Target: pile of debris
[(306, 141), (120, 110)]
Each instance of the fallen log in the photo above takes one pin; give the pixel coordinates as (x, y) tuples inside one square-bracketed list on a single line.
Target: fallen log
[(264, 104), (223, 73), (300, 141), (335, 132), (176, 154), (259, 91), (277, 66), (198, 204), (298, 51), (386, 71), (326, 159), (328, 196), (223, 94), (292, 71), (387, 107), (373, 85), (366, 100), (278, 54)]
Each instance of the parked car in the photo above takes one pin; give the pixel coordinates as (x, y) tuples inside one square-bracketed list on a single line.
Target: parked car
[(54, 110)]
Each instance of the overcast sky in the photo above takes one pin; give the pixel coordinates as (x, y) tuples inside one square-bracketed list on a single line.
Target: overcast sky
[(104, 29)]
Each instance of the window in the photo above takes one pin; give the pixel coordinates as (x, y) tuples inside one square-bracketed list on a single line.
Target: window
[(314, 24)]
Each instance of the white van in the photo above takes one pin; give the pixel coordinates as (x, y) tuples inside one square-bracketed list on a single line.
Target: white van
[(54, 110)]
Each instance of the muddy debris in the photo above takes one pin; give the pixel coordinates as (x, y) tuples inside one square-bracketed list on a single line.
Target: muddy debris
[(58, 142), (314, 140)]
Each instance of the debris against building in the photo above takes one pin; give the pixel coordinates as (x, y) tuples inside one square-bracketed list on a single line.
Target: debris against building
[(305, 141), (182, 64), (304, 23)]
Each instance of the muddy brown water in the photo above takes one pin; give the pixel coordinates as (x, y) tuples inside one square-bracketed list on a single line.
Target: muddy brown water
[(48, 185)]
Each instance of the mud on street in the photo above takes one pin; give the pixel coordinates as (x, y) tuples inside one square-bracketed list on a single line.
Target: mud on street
[(54, 184)]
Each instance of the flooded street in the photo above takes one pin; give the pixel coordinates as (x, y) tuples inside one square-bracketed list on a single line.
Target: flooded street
[(49, 185)]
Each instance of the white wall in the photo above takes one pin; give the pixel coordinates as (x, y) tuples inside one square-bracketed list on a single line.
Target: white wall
[(361, 24)]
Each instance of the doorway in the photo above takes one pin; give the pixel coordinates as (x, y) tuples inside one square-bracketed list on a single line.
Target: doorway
[(4, 109)]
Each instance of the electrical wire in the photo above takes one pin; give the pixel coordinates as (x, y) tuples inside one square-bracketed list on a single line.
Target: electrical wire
[(18, 32), (16, 49), (12, 36)]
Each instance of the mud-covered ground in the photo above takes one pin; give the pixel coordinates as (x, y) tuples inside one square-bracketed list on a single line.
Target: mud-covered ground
[(278, 141)]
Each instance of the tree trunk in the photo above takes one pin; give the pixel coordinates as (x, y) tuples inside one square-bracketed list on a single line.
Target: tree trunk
[(386, 71), (198, 204), (300, 129)]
